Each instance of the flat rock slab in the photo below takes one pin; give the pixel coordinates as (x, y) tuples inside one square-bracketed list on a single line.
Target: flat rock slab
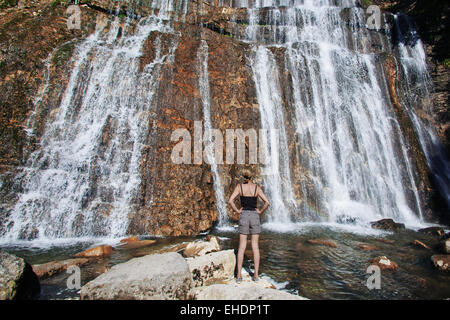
[(153, 277), (242, 291), (51, 268), (17, 279)]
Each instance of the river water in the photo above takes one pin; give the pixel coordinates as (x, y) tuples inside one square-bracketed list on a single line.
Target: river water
[(287, 260)]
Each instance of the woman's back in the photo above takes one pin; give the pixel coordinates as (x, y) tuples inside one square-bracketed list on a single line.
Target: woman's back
[(248, 200)]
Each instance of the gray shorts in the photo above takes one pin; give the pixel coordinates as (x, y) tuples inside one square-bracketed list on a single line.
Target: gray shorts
[(249, 222)]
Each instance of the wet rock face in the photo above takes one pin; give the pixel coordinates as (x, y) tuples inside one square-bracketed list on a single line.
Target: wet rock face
[(172, 199), (17, 279)]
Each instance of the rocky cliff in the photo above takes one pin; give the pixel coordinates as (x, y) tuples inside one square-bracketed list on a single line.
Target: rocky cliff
[(36, 47)]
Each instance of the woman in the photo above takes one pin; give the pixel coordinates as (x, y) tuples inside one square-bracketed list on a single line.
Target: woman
[(249, 220)]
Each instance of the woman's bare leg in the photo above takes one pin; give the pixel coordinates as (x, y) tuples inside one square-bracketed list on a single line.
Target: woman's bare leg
[(255, 249), (240, 257)]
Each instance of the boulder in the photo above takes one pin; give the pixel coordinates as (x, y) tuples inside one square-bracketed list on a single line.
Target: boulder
[(153, 277), (441, 261), (136, 244), (242, 291), (17, 279), (130, 239), (198, 248), (445, 246), (99, 251), (387, 224), (212, 267), (437, 231), (418, 243), (51, 268), (367, 247), (384, 263), (323, 242)]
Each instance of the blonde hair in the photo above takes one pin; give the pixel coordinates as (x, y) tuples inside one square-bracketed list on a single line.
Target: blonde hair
[(246, 175)]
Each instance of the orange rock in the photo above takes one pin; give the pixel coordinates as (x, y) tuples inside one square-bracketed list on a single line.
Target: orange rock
[(51, 268), (136, 244), (99, 251), (367, 247), (323, 242), (420, 244), (130, 239), (384, 263)]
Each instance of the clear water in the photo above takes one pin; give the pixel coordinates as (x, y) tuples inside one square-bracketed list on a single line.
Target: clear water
[(287, 260)]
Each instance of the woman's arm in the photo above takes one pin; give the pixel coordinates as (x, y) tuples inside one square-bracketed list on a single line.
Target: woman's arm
[(232, 198), (261, 194)]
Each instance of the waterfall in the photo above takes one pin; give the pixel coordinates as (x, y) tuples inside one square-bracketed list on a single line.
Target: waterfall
[(352, 156), (417, 94), (202, 56), (335, 150), (83, 180), (277, 181)]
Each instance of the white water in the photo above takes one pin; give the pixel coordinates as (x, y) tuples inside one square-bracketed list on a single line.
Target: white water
[(417, 92), (202, 56), (83, 180), (351, 169)]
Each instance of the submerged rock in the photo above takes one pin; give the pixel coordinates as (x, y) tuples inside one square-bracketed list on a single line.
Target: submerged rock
[(99, 251), (198, 248), (212, 267), (384, 263), (130, 239), (433, 231), (17, 279), (51, 268), (367, 247), (323, 242), (441, 261), (136, 244), (387, 224), (418, 243), (152, 277)]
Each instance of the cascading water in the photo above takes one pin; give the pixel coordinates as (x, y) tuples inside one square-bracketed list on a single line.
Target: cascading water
[(417, 95), (202, 56), (336, 153), (83, 179), (347, 133)]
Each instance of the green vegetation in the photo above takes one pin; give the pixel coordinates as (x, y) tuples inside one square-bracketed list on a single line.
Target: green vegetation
[(366, 2)]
